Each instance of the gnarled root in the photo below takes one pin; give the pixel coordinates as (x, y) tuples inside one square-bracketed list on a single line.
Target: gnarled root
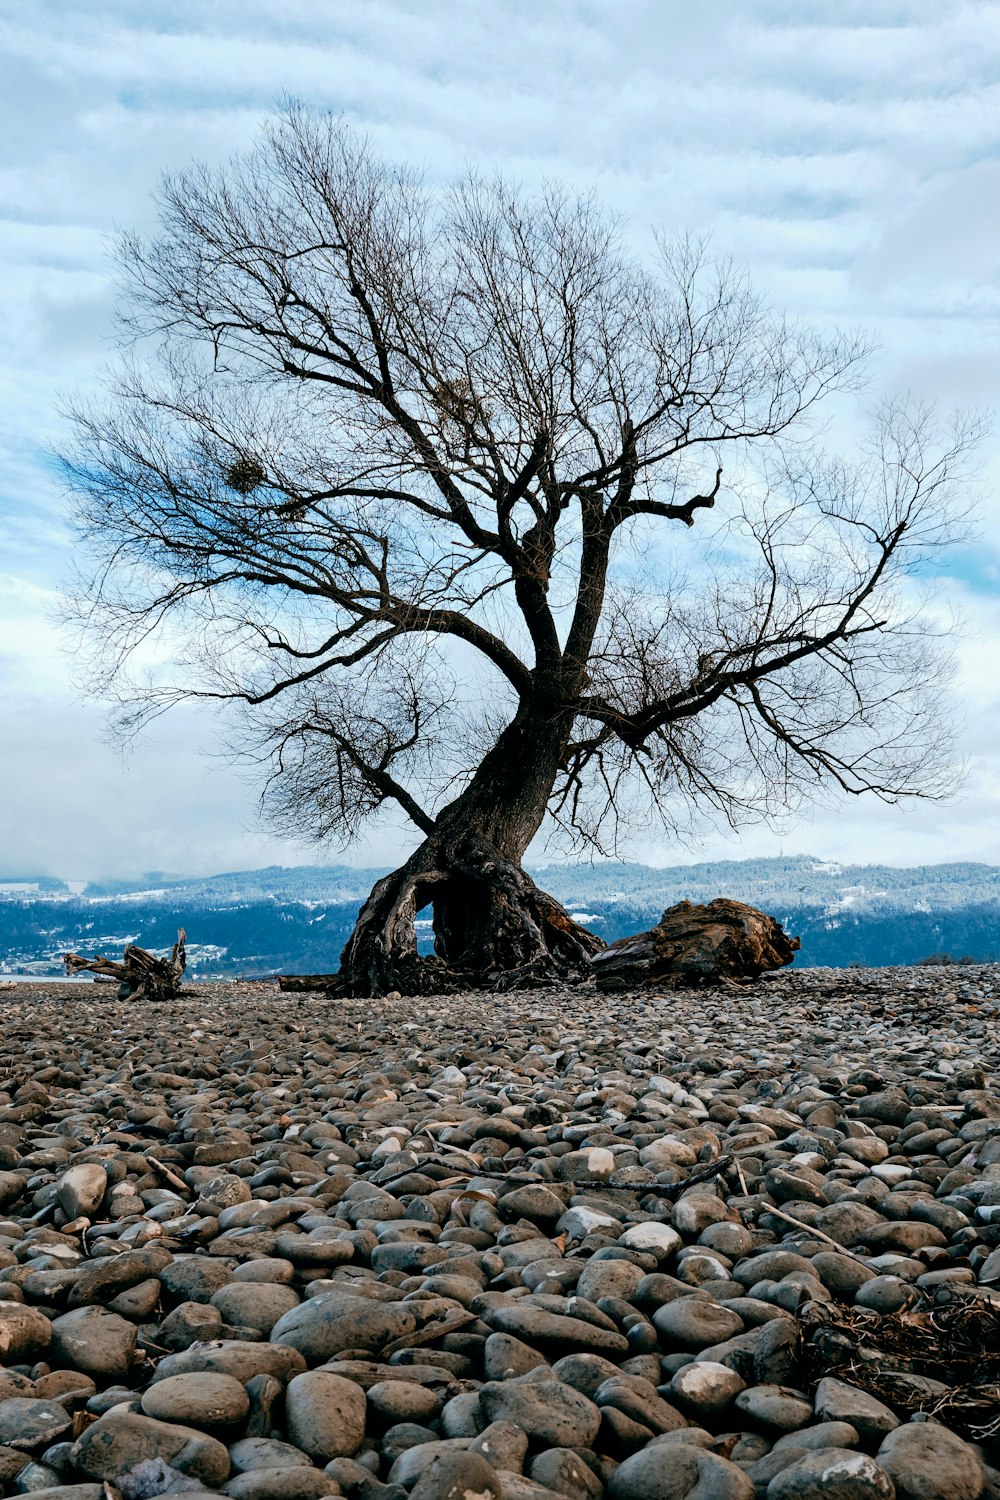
[(493, 927)]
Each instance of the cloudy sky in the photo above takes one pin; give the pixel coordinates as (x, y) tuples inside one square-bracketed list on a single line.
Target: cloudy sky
[(848, 152)]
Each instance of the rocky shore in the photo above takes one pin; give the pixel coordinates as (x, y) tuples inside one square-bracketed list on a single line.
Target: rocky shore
[(707, 1246)]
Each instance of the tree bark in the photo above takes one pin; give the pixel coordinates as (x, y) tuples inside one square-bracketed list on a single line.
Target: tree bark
[(492, 925)]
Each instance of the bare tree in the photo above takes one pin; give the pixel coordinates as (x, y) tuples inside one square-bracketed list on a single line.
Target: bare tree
[(404, 474)]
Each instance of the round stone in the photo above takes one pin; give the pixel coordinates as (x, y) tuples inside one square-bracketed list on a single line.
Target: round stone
[(254, 1304), (660, 1240), (324, 1325), (12, 1185), (268, 1268), (458, 1476), (121, 1439), (926, 1461), (704, 1388), (414, 1459), (692, 1215), (222, 1191), (81, 1189), (672, 1471), (564, 1472), (609, 1278), (822, 1435), (577, 1223), (600, 1162), (25, 1333), (666, 1152), (841, 1274), (505, 1356), (837, 1401), (534, 1202), (189, 1323), (403, 1401), (265, 1453), (696, 1323), (293, 1483), (504, 1446), (193, 1278), (325, 1415), (891, 1172), (197, 1399), (884, 1294), (90, 1339), (729, 1239), (305, 1250), (32, 1424), (776, 1407), (832, 1474), (552, 1414)]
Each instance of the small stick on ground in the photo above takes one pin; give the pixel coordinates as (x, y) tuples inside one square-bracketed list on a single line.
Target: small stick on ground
[(169, 1175), (816, 1234)]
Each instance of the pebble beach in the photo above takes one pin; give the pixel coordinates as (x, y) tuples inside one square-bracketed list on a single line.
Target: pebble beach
[(706, 1245)]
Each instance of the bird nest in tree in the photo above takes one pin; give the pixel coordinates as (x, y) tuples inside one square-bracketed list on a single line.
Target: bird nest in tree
[(939, 1359), (244, 475), (457, 402)]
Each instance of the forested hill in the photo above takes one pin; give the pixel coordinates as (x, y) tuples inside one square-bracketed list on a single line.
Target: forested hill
[(297, 919)]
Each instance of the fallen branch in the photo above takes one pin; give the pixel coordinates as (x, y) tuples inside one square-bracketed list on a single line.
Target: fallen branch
[(305, 981), (595, 1184)]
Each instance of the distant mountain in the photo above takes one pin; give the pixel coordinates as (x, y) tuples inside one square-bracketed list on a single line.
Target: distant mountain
[(298, 918)]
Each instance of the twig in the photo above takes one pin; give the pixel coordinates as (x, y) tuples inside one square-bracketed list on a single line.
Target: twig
[(171, 1176), (817, 1234), (589, 1184), (430, 1331)]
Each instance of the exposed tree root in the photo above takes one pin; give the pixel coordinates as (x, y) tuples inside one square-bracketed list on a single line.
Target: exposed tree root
[(492, 926)]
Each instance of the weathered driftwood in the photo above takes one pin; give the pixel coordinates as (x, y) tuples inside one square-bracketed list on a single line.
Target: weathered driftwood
[(140, 975), (694, 945), (294, 982)]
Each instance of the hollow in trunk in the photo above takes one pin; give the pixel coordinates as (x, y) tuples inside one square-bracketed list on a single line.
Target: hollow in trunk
[(493, 927)]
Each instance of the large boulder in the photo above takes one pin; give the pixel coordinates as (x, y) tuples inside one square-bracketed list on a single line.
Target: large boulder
[(694, 945)]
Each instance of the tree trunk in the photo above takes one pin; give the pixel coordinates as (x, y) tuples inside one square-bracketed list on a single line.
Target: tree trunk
[(492, 925)]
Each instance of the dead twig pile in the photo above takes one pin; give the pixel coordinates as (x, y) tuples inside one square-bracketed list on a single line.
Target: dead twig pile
[(942, 1359)]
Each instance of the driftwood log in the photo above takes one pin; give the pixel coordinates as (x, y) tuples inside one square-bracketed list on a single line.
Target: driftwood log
[(296, 982), (140, 975), (696, 945)]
